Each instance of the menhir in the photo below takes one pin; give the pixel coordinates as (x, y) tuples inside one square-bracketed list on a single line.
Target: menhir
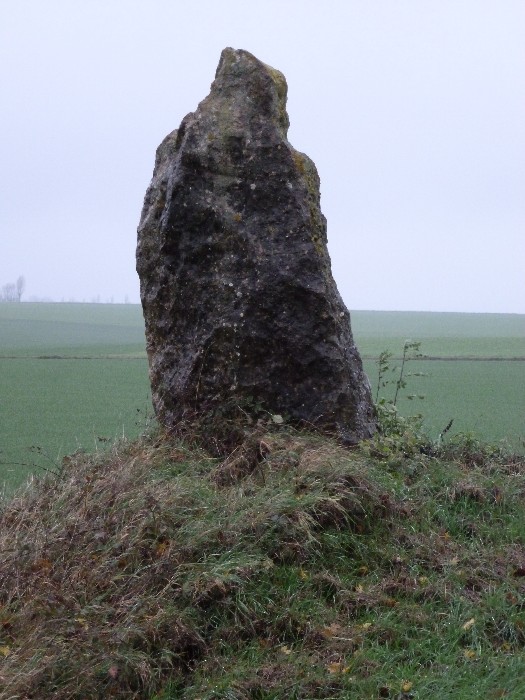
[(236, 286)]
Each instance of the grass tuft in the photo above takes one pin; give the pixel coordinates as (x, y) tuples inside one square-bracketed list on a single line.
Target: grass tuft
[(290, 567)]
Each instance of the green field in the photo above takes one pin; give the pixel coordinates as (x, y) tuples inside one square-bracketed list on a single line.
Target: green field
[(74, 376), (474, 366)]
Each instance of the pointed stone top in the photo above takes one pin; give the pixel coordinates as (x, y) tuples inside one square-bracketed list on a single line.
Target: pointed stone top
[(242, 76)]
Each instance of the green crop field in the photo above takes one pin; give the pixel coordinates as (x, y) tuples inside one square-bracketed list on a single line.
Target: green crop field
[(474, 367), (74, 376)]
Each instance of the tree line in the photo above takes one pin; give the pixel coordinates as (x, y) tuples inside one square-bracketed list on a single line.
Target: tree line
[(12, 291)]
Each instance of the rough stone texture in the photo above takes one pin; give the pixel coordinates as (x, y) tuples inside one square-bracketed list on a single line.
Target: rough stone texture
[(236, 286)]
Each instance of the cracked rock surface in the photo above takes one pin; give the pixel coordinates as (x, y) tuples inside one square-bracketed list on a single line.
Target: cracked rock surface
[(236, 286)]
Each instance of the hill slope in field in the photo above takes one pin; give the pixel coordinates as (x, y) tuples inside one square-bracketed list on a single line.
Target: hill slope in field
[(290, 568), (69, 329), (41, 330)]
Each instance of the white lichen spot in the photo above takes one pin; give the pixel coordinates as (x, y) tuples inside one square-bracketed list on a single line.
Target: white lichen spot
[(252, 186), (342, 314)]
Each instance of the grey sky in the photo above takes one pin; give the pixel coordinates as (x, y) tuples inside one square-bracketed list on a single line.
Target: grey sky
[(413, 111)]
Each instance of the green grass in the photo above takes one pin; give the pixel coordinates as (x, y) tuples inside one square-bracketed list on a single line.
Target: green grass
[(424, 325), (157, 571), (442, 334), (65, 330), (51, 408), (72, 376), (486, 398), (59, 405)]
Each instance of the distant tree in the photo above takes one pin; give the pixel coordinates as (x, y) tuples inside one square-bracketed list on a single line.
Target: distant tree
[(20, 287), (9, 292)]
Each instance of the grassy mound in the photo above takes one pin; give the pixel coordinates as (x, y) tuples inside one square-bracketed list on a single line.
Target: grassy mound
[(294, 568)]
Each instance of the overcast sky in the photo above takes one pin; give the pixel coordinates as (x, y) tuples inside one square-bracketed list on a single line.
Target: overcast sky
[(412, 110)]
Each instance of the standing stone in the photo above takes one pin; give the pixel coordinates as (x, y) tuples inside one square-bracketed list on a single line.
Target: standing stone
[(236, 286)]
